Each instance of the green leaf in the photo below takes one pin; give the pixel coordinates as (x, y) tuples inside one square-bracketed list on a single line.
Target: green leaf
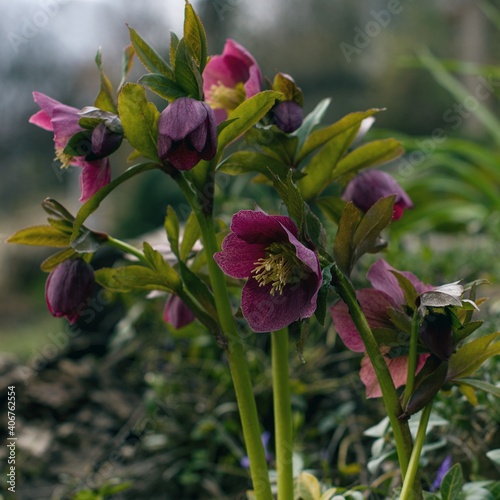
[(190, 236), (129, 278), (367, 235), (451, 485), (187, 74), (332, 207), (92, 204), (243, 162), (198, 289), (148, 56), (245, 116), (343, 249), (54, 208), (80, 144), (318, 172), (286, 85), (139, 119), (494, 455), (311, 121), (321, 303), (172, 229), (195, 37), (322, 136), (472, 355), (87, 241), (163, 86), (290, 196), (54, 260), (314, 230), (127, 62), (482, 386), (105, 100), (40, 236), (368, 155), (408, 289), (168, 274)]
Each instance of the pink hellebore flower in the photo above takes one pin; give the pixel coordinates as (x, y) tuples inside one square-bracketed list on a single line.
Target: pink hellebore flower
[(370, 186), (375, 302), (63, 121), (187, 133), (230, 78), (177, 313), (68, 287), (284, 276)]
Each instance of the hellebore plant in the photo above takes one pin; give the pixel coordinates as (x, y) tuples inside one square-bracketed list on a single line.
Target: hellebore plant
[(289, 269)]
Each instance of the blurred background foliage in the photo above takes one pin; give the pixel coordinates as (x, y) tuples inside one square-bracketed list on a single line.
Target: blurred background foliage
[(423, 64)]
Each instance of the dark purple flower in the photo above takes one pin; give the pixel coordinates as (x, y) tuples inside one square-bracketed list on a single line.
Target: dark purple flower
[(230, 78), (376, 302), (177, 313), (370, 186), (68, 287), (63, 121), (104, 141), (187, 133), (284, 276), (287, 115)]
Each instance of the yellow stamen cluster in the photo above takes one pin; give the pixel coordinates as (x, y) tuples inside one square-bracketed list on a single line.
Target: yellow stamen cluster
[(64, 158), (279, 268), (229, 98)]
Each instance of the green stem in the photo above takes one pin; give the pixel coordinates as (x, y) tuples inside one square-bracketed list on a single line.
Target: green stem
[(410, 490), (235, 353), (125, 247), (282, 413), (402, 435), (412, 358)]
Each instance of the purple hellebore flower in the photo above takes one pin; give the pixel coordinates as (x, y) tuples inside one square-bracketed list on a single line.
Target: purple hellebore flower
[(187, 133), (104, 141), (375, 302), (284, 276), (68, 287), (63, 121), (177, 313), (370, 186), (230, 78), (287, 115)]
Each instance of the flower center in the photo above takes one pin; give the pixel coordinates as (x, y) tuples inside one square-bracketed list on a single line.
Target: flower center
[(63, 157), (280, 267), (229, 98)]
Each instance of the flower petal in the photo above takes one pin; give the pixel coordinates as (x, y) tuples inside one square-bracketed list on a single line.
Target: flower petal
[(95, 175), (254, 226), (237, 258), (398, 368), (374, 304)]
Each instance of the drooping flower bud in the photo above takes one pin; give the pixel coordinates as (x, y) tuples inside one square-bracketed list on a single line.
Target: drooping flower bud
[(370, 186), (187, 133), (287, 116), (435, 333), (104, 142), (177, 313), (68, 287)]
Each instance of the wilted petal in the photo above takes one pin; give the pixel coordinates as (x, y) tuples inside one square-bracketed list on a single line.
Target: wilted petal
[(177, 313)]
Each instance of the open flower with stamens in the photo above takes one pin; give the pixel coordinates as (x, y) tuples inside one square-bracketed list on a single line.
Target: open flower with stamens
[(230, 78), (63, 121), (376, 304), (284, 276)]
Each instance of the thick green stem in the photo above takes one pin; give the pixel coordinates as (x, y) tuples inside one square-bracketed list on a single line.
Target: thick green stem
[(235, 353), (282, 413), (412, 358), (402, 435), (410, 489)]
